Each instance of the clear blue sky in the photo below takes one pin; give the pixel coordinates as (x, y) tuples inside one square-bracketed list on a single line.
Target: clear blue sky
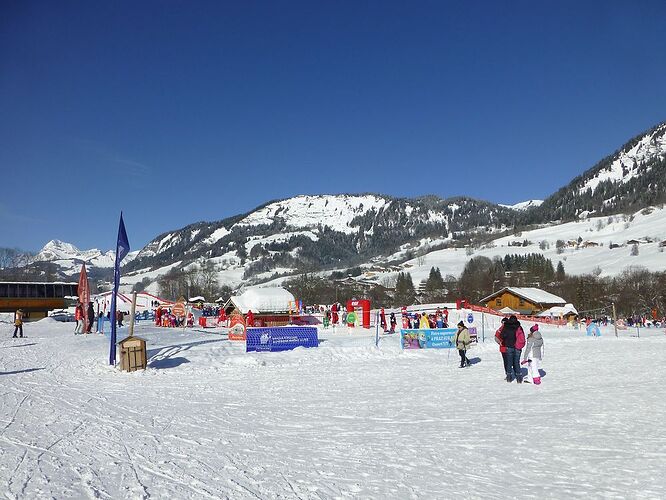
[(182, 111)]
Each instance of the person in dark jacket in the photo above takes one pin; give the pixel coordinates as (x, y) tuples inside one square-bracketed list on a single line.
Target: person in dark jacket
[(91, 317), (513, 339)]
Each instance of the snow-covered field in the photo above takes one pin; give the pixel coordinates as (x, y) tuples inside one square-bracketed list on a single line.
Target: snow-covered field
[(597, 234), (345, 420)]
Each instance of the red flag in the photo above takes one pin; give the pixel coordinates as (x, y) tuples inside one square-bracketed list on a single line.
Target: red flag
[(84, 295)]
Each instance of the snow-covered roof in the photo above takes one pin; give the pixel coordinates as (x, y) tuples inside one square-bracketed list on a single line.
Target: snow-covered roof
[(557, 311), (534, 295), (262, 300), (507, 310)]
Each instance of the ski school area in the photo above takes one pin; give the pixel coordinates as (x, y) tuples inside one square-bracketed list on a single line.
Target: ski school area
[(356, 415)]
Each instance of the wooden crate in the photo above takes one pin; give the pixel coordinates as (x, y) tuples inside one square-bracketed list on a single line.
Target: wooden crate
[(132, 354)]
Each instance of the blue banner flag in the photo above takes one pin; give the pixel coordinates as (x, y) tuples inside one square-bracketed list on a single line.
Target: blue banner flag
[(280, 338), (122, 249)]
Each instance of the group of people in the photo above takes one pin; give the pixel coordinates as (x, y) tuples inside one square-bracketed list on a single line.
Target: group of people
[(438, 319), (83, 327), (512, 343)]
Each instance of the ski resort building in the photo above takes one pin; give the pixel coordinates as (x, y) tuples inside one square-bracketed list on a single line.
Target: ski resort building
[(528, 301), (270, 306)]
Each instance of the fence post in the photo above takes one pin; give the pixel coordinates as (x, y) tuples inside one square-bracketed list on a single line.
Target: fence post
[(614, 320), (483, 327)]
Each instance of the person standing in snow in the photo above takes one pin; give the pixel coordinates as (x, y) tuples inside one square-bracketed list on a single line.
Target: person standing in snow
[(393, 322), (424, 323), (534, 354), (502, 347), (18, 322), (462, 342), (78, 316), (91, 317), (513, 338), (382, 320)]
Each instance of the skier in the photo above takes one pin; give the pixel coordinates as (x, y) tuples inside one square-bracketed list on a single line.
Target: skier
[(393, 322), (250, 318), (534, 354), (18, 322), (424, 323), (382, 320), (462, 342), (513, 338)]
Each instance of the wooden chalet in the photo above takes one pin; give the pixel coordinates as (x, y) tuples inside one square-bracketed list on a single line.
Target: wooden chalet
[(524, 300)]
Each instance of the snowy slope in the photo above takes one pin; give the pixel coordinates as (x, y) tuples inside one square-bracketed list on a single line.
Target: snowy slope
[(631, 161), (576, 259), (524, 205), (344, 420), (304, 212)]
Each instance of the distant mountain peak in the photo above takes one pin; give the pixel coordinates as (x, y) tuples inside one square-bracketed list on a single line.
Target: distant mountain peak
[(524, 205)]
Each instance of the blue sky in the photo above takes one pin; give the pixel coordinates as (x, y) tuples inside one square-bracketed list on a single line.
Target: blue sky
[(182, 111)]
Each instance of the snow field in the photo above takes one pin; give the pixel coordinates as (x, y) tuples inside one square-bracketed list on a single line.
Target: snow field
[(345, 420)]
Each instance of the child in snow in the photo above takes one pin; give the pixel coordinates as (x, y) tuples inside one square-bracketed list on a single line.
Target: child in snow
[(533, 354)]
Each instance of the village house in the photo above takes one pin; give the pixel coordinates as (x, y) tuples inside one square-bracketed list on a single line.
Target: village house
[(524, 300)]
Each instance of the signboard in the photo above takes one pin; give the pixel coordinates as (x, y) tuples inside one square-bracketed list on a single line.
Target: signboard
[(435, 338), (178, 309), (274, 339), (236, 326), (470, 318)]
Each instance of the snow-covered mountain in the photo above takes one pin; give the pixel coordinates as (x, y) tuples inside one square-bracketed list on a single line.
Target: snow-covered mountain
[(336, 232), (524, 205), (321, 232), (69, 258), (635, 159), (632, 178)]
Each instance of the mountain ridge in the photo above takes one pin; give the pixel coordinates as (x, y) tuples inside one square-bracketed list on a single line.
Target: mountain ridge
[(333, 231)]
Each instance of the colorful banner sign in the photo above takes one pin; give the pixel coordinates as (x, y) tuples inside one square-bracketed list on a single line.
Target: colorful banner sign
[(435, 338), (274, 339), (236, 326)]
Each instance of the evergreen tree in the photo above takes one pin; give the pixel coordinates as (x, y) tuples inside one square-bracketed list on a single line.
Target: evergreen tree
[(435, 287), (404, 290), (559, 273)]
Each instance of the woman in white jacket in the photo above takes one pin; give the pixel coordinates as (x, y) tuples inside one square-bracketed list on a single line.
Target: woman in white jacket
[(533, 354)]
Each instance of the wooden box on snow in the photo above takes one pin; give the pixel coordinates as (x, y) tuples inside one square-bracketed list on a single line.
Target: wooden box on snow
[(132, 354)]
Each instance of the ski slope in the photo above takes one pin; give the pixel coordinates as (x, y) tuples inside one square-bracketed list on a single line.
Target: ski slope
[(345, 420)]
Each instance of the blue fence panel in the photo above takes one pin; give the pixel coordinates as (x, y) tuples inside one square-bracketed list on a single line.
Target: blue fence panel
[(273, 339)]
